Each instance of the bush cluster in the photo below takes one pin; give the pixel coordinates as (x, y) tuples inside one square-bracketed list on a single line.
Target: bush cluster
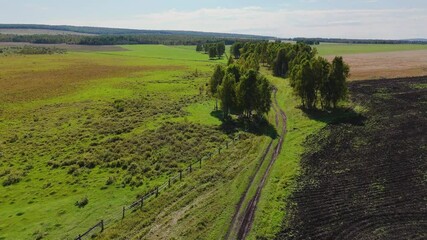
[(82, 202)]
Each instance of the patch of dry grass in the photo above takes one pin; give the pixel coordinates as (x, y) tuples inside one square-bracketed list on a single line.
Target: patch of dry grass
[(27, 85)]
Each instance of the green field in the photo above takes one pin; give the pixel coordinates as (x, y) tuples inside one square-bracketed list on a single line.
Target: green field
[(108, 126), (325, 49)]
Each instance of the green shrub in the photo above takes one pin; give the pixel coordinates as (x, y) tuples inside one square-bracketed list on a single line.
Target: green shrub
[(53, 164), (119, 105), (28, 167), (38, 235), (127, 180), (110, 180), (73, 169), (13, 139), (12, 178), (82, 203), (4, 172)]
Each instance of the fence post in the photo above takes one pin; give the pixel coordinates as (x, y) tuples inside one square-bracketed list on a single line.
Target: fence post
[(142, 202), (200, 161), (79, 237), (169, 184), (123, 215), (157, 191), (190, 167), (180, 174), (102, 225)]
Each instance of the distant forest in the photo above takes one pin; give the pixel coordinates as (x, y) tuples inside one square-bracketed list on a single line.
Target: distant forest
[(115, 39), (122, 31), (115, 36)]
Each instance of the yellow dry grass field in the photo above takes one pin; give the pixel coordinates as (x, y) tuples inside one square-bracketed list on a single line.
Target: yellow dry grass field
[(30, 84), (387, 64)]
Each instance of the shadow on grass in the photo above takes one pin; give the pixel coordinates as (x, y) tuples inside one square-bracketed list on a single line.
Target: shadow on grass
[(257, 126), (336, 116)]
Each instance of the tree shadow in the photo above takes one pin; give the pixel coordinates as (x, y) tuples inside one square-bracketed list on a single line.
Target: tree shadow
[(256, 125), (217, 114), (336, 116)]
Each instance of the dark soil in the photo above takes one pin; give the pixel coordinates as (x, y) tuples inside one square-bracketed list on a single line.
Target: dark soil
[(367, 181)]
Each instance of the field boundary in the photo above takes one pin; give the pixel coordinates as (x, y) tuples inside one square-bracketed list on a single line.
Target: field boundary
[(154, 192)]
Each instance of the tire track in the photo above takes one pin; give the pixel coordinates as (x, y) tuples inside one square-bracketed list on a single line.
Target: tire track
[(243, 222)]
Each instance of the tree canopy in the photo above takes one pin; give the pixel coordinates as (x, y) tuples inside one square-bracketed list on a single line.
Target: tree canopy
[(227, 94), (241, 92), (216, 79)]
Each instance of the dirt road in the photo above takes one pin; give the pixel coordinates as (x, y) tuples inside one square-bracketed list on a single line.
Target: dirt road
[(243, 219)]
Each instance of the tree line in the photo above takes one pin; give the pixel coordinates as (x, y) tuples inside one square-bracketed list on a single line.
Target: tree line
[(115, 39), (124, 31), (313, 79)]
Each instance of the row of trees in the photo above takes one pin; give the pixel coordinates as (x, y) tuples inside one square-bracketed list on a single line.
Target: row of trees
[(241, 91), (215, 50), (313, 79)]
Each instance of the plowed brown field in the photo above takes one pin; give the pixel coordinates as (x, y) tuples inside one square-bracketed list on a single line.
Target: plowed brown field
[(367, 180), (387, 64)]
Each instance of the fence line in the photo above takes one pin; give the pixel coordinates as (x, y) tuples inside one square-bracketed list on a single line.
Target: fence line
[(156, 190), (99, 224)]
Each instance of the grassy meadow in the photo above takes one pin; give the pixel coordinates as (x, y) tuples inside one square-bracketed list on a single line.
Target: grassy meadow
[(96, 124)]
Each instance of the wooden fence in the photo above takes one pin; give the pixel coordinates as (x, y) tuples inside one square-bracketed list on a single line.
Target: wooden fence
[(100, 224), (155, 191)]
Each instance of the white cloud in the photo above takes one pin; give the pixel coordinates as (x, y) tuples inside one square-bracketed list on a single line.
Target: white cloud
[(382, 23)]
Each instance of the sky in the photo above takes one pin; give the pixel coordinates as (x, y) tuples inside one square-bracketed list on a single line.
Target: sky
[(362, 19)]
